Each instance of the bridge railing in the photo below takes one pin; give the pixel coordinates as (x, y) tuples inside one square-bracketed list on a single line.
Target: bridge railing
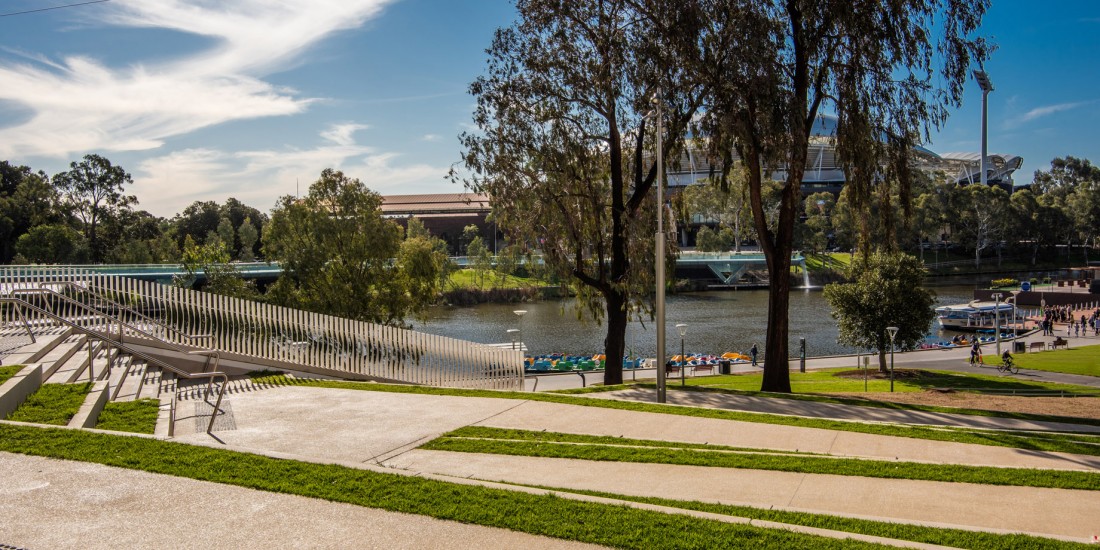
[(264, 331)]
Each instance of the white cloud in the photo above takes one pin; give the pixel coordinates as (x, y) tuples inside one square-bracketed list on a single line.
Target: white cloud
[(341, 134), (1040, 112), (168, 183), (80, 104), (430, 137)]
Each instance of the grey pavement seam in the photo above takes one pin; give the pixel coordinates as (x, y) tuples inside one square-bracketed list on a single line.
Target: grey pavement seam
[(794, 493)]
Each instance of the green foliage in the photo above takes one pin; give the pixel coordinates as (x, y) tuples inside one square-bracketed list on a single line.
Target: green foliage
[(212, 259), (52, 244), (708, 240), (885, 290), (338, 255), (248, 236), (129, 416), (27, 200), (52, 404), (1005, 282), (93, 191)]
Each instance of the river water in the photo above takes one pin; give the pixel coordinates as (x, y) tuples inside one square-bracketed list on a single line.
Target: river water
[(718, 321)]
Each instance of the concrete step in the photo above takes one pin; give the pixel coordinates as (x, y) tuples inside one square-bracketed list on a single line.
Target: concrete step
[(133, 383), (74, 367), (61, 354), (120, 373), (33, 352)]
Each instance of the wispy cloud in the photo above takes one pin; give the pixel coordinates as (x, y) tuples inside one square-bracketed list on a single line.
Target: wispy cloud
[(431, 137), (80, 104), (169, 182), (1040, 112)]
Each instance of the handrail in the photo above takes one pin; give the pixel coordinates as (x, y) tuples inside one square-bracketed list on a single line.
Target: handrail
[(209, 353), (146, 357), (162, 324), (26, 325)]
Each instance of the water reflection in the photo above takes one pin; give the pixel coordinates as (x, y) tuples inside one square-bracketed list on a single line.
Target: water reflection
[(718, 322)]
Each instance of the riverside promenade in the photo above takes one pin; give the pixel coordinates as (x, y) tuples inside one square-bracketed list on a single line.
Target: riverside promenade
[(58, 504)]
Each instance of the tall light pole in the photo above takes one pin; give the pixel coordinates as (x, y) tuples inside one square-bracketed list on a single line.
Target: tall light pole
[(660, 253), (987, 86), (1015, 315), (997, 320), (683, 328), (520, 313), (893, 332)]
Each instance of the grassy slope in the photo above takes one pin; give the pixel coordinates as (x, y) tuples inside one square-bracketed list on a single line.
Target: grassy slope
[(1083, 360), (906, 380), (52, 404), (130, 416), (8, 371), (602, 524)]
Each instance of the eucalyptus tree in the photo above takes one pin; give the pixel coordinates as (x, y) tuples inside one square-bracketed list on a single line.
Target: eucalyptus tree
[(981, 216), (94, 191), (564, 150), (889, 71)]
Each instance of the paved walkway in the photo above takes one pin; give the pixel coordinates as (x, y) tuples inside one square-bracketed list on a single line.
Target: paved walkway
[(381, 431), (384, 429), (48, 503)]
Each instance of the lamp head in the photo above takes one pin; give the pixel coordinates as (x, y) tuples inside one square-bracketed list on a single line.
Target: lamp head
[(683, 328), (893, 332), (983, 81)]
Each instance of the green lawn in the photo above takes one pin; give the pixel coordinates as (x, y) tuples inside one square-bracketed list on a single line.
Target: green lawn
[(467, 278), (8, 371), (557, 445), (851, 381), (595, 523), (52, 404), (130, 416), (1083, 360)]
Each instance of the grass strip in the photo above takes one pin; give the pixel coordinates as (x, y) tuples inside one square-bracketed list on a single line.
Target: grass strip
[(138, 416), (957, 538), (8, 371), (1077, 444), (482, 432), (595, 523), (52, 404), (952, 473), (860, 402)]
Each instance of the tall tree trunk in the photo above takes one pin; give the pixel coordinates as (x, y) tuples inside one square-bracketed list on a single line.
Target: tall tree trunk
[(882, 367), (616, 337), (776, 364)]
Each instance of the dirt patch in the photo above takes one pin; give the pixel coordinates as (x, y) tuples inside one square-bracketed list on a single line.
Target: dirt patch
[(1081, 407)]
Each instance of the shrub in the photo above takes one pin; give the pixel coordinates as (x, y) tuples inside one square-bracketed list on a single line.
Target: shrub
[(1001, 283)]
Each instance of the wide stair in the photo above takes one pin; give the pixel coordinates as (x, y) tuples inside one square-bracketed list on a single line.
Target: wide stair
[(61, 356)]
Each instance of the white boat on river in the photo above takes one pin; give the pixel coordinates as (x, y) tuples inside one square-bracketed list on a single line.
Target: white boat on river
[(974, 315)]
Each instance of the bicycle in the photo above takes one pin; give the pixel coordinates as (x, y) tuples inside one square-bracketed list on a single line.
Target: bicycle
[(1009, 366)]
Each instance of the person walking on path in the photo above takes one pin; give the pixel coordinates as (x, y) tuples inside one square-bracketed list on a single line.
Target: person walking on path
[(976, 352), (753, 353)]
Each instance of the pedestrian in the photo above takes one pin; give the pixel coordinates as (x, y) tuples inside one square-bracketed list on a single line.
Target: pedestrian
[(976, 352), (1077, 329), (753, 353)]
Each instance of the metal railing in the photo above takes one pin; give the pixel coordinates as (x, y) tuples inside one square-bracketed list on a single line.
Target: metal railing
[(289, 338), (107, 337), (145, 319)]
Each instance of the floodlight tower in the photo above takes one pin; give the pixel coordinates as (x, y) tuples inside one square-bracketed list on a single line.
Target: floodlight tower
[(987, 86)]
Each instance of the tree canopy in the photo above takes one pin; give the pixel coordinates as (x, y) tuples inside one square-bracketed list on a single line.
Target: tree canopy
[(94, 191)]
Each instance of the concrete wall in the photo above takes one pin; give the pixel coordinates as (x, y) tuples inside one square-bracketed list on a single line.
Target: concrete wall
[(15, 391)]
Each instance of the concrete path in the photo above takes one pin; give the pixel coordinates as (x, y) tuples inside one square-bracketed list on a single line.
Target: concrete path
[(385, 429), (795, 407), (47, 503)]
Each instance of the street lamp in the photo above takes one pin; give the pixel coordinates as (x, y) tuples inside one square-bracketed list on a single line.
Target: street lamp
[(997, 319), (893, 332), (512, 332), (683, 328), (987, 86), (660, 254), (1015, 315), (520, 313)]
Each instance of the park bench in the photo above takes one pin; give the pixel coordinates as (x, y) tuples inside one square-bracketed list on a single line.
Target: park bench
[(1036, 345), (673, 368), (1059, 342), (697, 368)]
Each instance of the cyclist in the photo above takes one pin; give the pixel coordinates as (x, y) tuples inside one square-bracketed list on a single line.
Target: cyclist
[(1006, 358)]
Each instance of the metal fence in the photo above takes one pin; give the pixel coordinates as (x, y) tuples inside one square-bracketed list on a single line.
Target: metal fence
[(263, 331)]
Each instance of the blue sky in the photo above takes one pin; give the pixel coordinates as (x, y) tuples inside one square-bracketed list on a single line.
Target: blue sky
[(204, 100)]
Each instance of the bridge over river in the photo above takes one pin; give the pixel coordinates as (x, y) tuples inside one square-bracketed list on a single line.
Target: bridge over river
[(725, 269)]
